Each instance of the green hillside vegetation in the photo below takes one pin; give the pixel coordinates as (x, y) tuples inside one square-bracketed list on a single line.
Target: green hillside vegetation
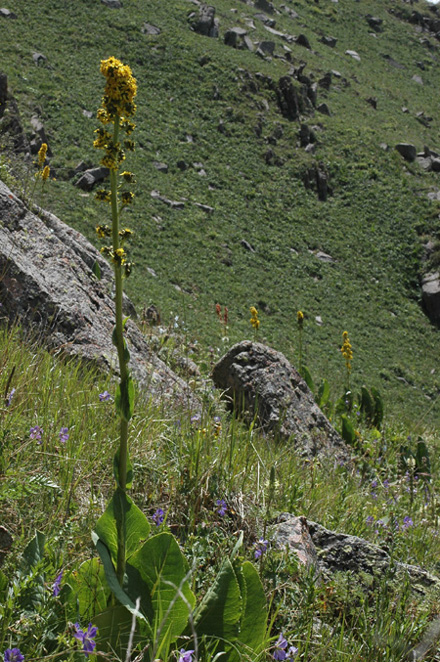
[(216, 109)]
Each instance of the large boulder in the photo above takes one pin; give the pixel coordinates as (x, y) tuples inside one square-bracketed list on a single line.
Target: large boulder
[(206, 23), (431, 295), (262, 383), (49, 285)]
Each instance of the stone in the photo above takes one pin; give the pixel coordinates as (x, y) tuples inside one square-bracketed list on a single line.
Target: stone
[(329, 41), (248, 43), (270, 22), (3, 90), (316, 178), (417, 79), (246, 245), (171, 203), (265, 6), (407, 150), (266, 47), (7, 13), (234, 37), (290, 100), (39, 136), (372, 101), (431, 295), (374, 22), (292, 533), (354, 55), (112, 4), (91, 177), (326, 80), (324, 109), (261, 384), (206, 23), (39, 58), (49, 286), (149, 29), (161, 167), (324, 257), (205, 208), (302, 40), (182, 165)]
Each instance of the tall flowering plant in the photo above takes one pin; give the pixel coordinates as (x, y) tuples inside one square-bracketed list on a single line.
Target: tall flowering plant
[(117, 109)]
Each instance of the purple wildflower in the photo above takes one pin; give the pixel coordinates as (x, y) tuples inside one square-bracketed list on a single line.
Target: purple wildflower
[(195, 420), (86, 638), (9, 397), (13, 655), (35, 433), (281, 652), (158, 517), (374, 483), (407, 522), (370, 519), (64, 435), (56, 588), (103, 397), (222, 508), (260, 547), (185, 656)]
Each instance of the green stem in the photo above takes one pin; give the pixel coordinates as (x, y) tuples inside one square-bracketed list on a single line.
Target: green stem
[(123, 369)]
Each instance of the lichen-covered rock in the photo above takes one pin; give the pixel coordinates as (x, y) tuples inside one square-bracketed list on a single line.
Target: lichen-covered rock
[(48, 284), (262, 383)]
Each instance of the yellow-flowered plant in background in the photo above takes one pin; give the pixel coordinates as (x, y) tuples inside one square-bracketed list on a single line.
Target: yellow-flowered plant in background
[(347, 353), (43, 171), (117, 107), (255, 322)]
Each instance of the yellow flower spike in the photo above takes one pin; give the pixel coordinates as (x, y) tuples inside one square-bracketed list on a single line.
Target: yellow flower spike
[(45, 174), (42, 155), (255, 322), (300, 318), (346, 350)]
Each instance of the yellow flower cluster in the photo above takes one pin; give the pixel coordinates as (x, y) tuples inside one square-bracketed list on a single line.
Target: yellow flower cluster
[(42, 155), (346, 350), (300, 319), (119, 93), (255, 322), (43, 170)]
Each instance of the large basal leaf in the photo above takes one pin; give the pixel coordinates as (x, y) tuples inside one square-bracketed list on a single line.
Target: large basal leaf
[(114, 627), (137, 527), (220, 610), (33, 553), (113, 583), (89, 591), (254, 618), (154, 574)]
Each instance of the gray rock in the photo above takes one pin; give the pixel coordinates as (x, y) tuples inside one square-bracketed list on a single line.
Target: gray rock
[(39, 58), (39, 136), (324, 257), (3, 91), (292, 533), (205, 208), (354, 55), (5, 543), (246, 245), (374, 22), (248, 43), (91, 177), (266, 47), (302, 40), (265, 6), (234, 37), (113, 4), (161, 167), (7, 13), (270, 22), (324, 109), (326, 80), (431, 295), (329, 41), (48, 285), (290, 99), (171, 203), (407, 150), (261, 383), (206, 24), (149, 29)]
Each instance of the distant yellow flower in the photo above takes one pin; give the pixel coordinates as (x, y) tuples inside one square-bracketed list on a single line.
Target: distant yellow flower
[(300, 318), (42, 155), (127, 197), (346, 350), (45, 174), (255, 322), (119, 256), (103, 231)]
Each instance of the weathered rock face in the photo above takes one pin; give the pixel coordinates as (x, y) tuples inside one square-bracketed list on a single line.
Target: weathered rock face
[(48, 284), (262, 383), (331, 552), (206, 23)]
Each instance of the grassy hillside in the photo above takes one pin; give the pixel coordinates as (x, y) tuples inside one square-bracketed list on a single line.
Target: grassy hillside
[(372, 225)]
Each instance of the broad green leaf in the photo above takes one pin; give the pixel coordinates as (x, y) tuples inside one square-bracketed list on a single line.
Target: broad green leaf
[(137, 527), (89, 591), (220, 610), (155, 573), (347, 432), (124, 399), (113, 583), (33, 552), (378, 407), (129, 481), (4, 583), (306, 375), (254, 619), (367, 405), (323, 394), (96, 269), (114, 626)]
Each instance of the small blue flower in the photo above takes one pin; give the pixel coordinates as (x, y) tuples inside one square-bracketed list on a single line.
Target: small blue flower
[(370, 519), (185, 656), (35, 433), (56, 588), (222, 508), (13, 655), (9, 397), (64, 435), (103, 397), (281, 652), (407, 522), (260, 547), (158, 517), (86, 637)]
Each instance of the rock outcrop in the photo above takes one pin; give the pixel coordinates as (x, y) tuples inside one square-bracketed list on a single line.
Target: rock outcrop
[(431, 295), (48, 285), (262, 383)]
